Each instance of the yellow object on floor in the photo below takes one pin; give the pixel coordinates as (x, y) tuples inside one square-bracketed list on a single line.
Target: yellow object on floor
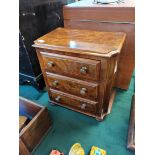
[(76, 149), (22, 121), (97, 151)]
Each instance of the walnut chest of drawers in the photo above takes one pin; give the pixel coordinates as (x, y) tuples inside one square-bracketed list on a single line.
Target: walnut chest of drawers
[(79, 68)]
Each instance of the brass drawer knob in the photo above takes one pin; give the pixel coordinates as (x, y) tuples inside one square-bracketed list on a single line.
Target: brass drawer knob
[(83, 106), (58, 98), (83, 91), (83, 70), (55, 83), (50, 64)]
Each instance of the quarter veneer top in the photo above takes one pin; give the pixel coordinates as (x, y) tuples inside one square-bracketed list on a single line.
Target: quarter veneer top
[(82, 41)]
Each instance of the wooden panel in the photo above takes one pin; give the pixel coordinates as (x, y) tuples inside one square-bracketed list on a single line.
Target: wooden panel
[(98, 14), (72, 66), (73, 86), (127, 56), (28, 107), (32, 133), (85, 9), (112, 69), (131, 131), (23, 149), (82, 41), (69, 100)]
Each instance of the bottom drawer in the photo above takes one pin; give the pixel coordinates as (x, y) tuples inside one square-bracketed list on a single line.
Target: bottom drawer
[(74, 102)]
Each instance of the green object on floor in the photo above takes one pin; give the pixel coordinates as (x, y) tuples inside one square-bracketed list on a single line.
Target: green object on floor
[(70, 127)]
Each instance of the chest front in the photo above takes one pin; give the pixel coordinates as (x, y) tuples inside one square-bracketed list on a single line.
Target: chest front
[(79, 68)]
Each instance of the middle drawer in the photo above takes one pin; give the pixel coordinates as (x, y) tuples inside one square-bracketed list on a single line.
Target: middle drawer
[(73, 86)]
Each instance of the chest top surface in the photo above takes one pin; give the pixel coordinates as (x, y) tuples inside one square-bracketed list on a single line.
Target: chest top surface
[(83, 41)]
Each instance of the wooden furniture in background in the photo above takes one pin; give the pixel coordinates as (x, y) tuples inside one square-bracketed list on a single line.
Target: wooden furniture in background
[(36, 18), (131, 131), (109, 17), (34, 131), (79, 68)]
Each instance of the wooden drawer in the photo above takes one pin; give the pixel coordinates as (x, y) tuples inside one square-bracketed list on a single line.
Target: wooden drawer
[(76, 103), (74, 86), (73, 66)]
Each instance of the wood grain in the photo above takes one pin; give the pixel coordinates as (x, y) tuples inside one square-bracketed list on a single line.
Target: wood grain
[(62, 65), (72, 40), (75, 102), (73, 86), (131, 131), (66, 69), (32, 133), (109, 18), (22, 148), (122, 12), (28, 107)]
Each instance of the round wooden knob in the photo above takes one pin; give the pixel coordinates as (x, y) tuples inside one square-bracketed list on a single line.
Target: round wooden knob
[(55, 83), (83, 91), (50, 64), (83, 106), (83, 70), (58, 99)]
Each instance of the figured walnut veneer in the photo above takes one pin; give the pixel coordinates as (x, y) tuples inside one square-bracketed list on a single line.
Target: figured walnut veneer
[(79, 68)]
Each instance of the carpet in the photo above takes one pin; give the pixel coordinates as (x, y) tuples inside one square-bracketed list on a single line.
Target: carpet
[(70, 127)]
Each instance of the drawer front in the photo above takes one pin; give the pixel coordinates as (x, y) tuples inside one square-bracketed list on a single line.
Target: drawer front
[(74, 102), (74, 86), (73, 66)]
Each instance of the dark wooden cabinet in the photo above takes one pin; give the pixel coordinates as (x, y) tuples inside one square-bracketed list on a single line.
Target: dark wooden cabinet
[(79, 68), (36, 18)]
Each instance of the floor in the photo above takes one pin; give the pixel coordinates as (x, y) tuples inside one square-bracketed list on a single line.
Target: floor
[(70, 127)]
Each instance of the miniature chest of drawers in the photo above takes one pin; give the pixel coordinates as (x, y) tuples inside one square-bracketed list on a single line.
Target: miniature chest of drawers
[(79, 68)]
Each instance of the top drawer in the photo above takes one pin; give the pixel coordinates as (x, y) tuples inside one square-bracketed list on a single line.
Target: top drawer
[(73, 66)]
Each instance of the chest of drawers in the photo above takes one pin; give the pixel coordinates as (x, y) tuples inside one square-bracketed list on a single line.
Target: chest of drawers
[(79, 68)]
